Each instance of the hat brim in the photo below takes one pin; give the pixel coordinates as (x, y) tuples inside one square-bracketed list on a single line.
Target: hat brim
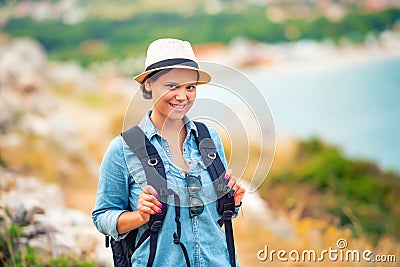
[(204, 77)]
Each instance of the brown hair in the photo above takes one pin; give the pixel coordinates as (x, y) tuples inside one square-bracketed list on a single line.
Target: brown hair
[(152, 77)]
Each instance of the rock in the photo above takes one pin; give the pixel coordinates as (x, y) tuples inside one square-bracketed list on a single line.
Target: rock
[(9, 107), (64, 128), (21, 65), (19, 214), (72, 75), (87, 242), (36, 125), (254, 205), (32, 230), (29, 111), (22, 83), (40, 243), (49, 226)]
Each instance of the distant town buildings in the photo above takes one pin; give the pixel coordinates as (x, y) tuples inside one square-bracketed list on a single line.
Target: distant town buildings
[(69, 11), (74, 11)]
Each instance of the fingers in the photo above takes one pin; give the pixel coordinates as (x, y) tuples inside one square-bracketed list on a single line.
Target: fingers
[(240, 190), (234, 184), (147, 202), (233, 181), (228, 176), (228, 173), (150, 190)]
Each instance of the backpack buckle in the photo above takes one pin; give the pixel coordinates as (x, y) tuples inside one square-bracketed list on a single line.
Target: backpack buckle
[(227, 215), (156, 226)]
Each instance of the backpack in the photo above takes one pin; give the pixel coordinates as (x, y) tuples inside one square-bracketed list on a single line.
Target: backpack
[(154, 168)]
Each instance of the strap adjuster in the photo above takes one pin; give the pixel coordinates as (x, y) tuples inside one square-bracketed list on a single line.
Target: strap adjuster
[(176, 238), (227, 215), (155, 227)]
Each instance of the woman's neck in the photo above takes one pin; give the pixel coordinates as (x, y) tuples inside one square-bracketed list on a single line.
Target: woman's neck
[(174, 131), (166, 126)]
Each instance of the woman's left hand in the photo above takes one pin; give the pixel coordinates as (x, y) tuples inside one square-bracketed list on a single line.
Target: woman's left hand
[(234, 183)]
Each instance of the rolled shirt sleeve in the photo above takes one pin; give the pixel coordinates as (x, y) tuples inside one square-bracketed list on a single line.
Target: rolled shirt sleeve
[(113, 190)]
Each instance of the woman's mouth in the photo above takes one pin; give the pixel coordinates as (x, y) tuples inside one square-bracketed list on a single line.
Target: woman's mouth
[(180, 106)]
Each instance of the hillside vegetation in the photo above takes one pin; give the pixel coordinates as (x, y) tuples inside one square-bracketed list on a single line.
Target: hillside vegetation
[(320, 182), (101, 39)]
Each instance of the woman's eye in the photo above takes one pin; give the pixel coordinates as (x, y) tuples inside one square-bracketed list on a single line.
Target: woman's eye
[(172, 86), (191, 87)]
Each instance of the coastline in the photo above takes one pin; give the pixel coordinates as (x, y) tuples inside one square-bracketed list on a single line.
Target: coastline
[(300, 57), (300, 69)]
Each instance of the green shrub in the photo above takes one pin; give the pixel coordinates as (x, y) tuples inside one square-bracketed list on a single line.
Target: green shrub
[(357, 192), (126, 38)]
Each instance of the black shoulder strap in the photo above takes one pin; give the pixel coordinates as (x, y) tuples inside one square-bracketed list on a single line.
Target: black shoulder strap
[(155, 175), (150, 159), (212, 160), (226, 202)]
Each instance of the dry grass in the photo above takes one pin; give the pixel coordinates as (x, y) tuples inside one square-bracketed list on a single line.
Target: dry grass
[(308, 234)]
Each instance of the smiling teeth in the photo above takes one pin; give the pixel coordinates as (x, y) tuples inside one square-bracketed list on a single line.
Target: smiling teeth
[(178, 106)]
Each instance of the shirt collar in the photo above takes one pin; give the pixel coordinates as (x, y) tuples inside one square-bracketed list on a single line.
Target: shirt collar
[(148, 127), (190, 126), (150, 130)]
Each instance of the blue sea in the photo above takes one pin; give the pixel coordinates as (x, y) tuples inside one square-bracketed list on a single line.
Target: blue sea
[(355, 107)]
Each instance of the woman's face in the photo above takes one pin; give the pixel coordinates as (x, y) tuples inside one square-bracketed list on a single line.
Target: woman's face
[(173, 93)]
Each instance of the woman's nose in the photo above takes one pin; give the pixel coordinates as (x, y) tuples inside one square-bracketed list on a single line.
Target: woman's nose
[(181, 94)]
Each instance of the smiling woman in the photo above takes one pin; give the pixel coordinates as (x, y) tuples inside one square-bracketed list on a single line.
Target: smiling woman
[(173, 95), (129, 197)]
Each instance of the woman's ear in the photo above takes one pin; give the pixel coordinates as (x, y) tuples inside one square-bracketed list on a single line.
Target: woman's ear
[(147, 85)]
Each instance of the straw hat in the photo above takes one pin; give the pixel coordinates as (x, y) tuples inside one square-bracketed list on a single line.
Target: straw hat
[(169, 53)]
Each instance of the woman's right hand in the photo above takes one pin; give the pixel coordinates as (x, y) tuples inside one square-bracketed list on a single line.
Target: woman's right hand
[(148, 203)]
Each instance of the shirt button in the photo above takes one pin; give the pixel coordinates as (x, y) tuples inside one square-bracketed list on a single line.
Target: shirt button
[(194, 223), (197, 245), (167, 150)]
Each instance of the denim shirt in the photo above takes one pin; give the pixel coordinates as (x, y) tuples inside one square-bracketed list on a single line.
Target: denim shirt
[(121, 172)]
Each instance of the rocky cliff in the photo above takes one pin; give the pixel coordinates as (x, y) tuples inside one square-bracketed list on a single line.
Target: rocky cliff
[(49, 226)]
